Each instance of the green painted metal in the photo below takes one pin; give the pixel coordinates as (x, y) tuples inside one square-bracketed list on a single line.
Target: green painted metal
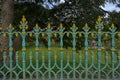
[(80, 68)]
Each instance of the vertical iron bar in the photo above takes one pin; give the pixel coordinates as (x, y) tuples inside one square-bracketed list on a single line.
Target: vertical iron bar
[(99, 56), (99, 36), (113, 55), (24, 56), (74, 55), (107, 63), (36, 51), (17, 77), (43, 63), (92, 65), (4, 63), (49, 56), (86, 55), (61, 56), (10, 54)]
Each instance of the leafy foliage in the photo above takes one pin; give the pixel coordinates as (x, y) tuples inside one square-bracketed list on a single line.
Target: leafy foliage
[(72, 11)]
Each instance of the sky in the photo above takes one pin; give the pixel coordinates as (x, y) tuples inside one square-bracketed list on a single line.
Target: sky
[(108, 7)]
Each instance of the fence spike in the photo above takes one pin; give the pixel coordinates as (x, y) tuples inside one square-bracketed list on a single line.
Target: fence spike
[(23, 19), (48, 25), (99, 19)]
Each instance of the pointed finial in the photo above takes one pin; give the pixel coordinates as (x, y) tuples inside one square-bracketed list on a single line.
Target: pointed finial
[(99, 18), (23, 19), (48, 25), (74, 25), (36, 25), (113, 26), (61, 25), (86, 24), (86, 28), (10, 25)]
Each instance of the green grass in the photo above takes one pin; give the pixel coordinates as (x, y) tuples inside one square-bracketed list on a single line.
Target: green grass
[(55, 57), (67, 53)]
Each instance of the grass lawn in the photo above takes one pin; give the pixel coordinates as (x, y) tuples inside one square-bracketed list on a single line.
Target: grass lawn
[(68, 60), (55, 54), (79, 59)]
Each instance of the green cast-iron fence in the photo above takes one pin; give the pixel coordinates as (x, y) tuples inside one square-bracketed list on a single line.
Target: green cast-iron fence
[(61, 64)]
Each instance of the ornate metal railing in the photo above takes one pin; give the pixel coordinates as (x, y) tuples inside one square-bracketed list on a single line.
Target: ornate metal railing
[(63, 64)]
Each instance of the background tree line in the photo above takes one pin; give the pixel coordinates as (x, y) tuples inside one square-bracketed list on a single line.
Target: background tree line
[(71, 11)]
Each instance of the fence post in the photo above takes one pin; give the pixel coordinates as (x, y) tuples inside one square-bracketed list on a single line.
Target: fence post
[(99, 24), (10, 29), (113, 33), (61, 29), (24, 27), (49, 35), (36, 33), (86, 33)]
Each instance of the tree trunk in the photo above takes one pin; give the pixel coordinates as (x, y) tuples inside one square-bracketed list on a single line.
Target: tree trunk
[(7, 18)]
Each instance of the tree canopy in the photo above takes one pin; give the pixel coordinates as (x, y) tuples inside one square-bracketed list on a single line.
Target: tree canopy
[(72, 11), (39, 11)]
